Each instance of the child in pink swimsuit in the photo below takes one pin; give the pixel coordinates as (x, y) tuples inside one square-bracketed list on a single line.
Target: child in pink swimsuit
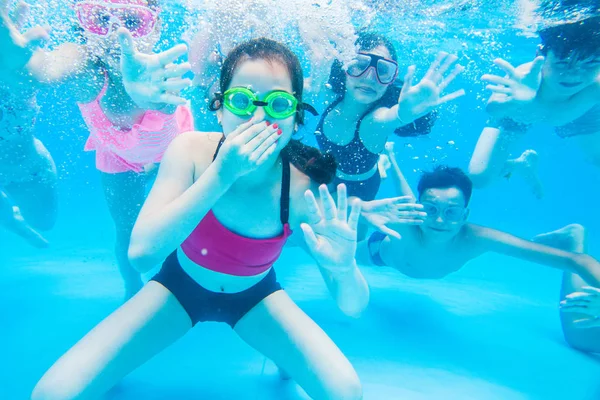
[(121, 150), (125, 136)]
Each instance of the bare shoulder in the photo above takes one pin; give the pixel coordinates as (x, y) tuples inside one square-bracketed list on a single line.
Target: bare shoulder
[(196, 147)]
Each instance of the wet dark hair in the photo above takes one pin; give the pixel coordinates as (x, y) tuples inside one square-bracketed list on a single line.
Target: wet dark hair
[(337, 80), (580, 39), (444, 177), (316, 165)]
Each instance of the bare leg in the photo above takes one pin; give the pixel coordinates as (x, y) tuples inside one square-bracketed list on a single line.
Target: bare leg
[(142, 327), (281, 331), (125, 193), (491, 153), (572, 238), (31, 205), (12, 219)]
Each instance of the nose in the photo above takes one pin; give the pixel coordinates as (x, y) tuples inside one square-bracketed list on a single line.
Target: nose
[(260, 113), (439, 219), (371, 74)]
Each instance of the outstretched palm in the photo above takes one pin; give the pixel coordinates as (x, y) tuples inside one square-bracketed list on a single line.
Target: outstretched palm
[(515, 87), (152, 80), (382, 214), (331, 233), (416, 101)]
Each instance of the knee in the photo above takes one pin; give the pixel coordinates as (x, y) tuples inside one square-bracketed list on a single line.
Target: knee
[(576, 231), (479, 176), (345, 385)]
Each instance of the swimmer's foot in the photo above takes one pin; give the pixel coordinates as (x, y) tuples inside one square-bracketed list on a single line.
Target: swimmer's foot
[(569, 238), (526, 166), (17, 224)]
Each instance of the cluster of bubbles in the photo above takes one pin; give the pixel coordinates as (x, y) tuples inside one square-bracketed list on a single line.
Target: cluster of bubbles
[(318, 27)]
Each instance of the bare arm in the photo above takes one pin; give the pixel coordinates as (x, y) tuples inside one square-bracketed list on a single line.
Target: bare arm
[(176, 204), (417, 101), (51, 67), (332, 244), (402, 186), (25, 65), (501, 242), (350, 291), (492, 150)]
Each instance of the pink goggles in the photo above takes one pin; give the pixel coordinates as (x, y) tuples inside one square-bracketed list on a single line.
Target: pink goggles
[(100, 17)]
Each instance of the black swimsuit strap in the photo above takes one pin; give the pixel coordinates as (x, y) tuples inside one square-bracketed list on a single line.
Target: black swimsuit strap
[(284, 205), (284, 202), (219, 147), (326, 113)]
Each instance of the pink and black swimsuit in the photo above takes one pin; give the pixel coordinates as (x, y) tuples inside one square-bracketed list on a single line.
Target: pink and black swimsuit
[(212, 246)]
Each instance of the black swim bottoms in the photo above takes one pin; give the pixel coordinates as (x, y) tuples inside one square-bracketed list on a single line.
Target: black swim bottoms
[(365, 190), (204, 305)]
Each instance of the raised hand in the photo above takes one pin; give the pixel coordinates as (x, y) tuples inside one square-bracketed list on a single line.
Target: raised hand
[(17, 47), (516, 88), (419, 100), (384, 213), (585, 302), (330, 233), (152, 80), (247, 148)]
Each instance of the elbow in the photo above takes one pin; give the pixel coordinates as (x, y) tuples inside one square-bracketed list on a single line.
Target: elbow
[(353, 312)]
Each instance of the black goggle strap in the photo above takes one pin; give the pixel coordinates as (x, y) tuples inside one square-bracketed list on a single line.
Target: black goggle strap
[(307, 107)]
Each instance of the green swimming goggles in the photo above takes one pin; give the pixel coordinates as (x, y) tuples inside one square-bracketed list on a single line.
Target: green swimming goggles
[(278, 104)]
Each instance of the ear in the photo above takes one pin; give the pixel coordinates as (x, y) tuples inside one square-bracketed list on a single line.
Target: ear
[(219, 113), (466, 215)]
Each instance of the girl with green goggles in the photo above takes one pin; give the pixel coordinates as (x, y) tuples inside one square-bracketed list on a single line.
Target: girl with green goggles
[(243, 102)]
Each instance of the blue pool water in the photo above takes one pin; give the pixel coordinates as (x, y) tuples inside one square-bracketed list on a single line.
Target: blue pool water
[(490, 331)]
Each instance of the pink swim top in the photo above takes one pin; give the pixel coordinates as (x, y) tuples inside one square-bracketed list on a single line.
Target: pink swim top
[(215, 247), (121, 150)]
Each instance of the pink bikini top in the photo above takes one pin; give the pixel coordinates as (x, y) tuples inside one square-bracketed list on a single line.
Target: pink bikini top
[(215, 247)]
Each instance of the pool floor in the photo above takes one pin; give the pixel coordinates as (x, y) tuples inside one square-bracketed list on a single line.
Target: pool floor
[(479, 334)]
